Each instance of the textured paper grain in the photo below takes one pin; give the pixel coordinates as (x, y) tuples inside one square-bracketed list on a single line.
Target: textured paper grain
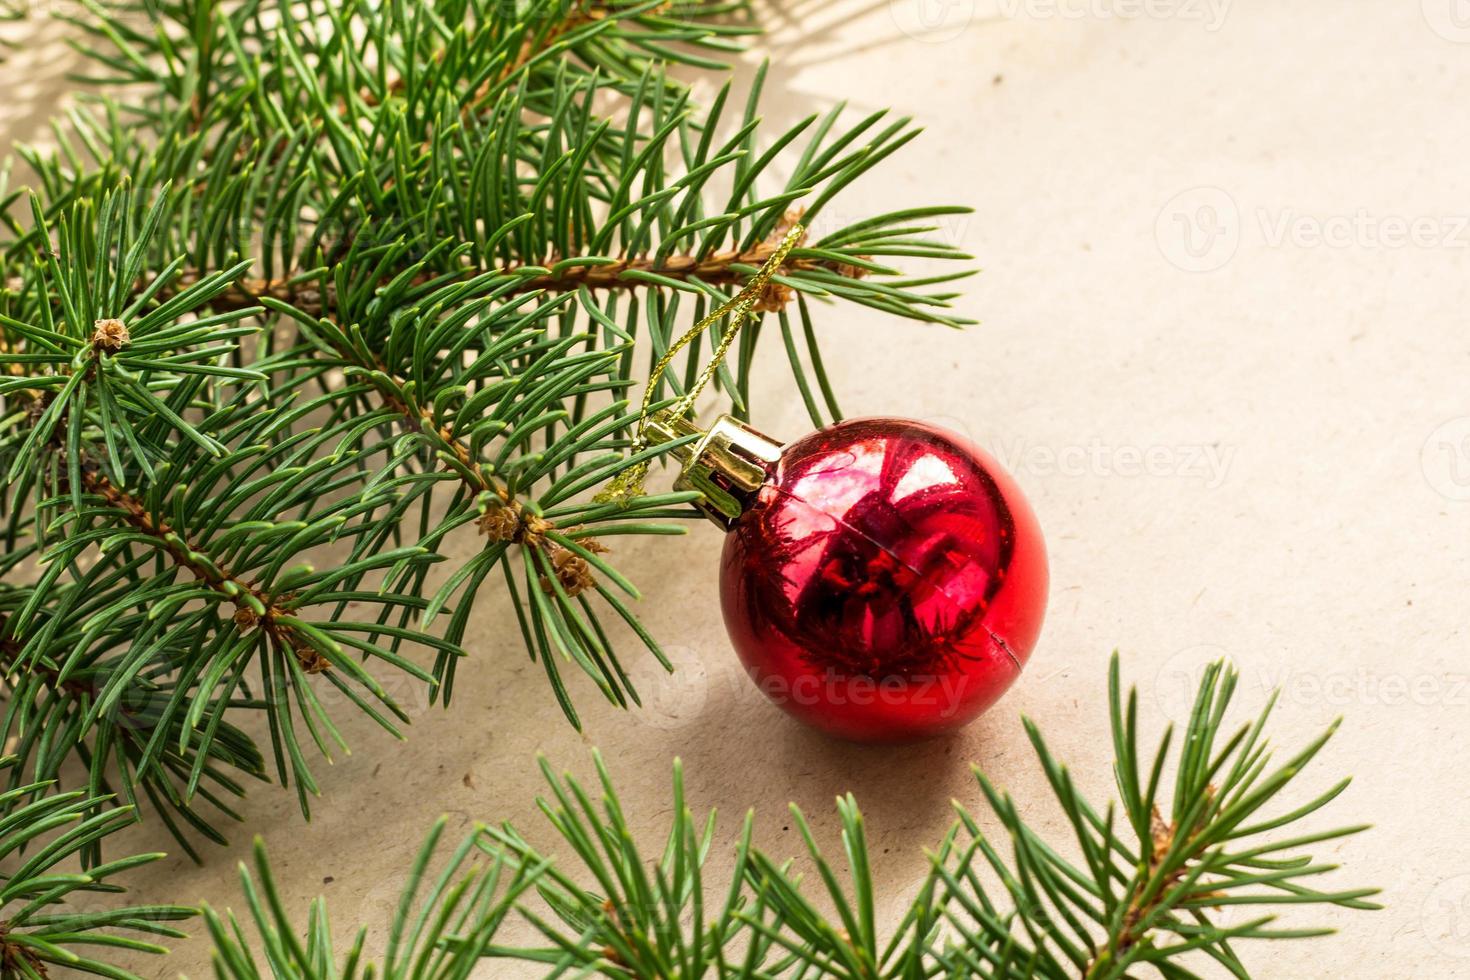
[(1225, 351)]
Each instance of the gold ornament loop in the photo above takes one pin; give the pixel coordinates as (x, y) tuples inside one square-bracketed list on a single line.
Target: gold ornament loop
[(629, 483)]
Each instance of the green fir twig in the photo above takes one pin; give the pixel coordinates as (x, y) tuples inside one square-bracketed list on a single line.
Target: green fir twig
[(1140, 889)]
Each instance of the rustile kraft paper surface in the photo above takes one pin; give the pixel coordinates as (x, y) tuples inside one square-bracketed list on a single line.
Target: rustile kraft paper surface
[(1224, 352)]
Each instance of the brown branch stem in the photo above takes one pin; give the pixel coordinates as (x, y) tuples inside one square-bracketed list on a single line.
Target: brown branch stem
[(510, 521), (226, 584), (17, 960), (1162, 836), (720, 269)]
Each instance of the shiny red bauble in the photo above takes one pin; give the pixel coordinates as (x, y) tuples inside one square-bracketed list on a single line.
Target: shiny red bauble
[(887, 582)]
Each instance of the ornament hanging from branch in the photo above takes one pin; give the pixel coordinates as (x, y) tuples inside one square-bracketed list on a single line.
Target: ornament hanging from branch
[(882, 579)]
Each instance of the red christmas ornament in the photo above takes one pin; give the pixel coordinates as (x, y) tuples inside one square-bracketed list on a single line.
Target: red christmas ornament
[(883, 579)]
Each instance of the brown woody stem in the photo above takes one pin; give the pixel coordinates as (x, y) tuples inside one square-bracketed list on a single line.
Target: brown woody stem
[(1139, 911), (720, 269), (17, 960), (230, 586), (510, 521)]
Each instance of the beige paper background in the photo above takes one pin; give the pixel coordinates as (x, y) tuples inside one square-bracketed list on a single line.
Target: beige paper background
[(1326, 380)]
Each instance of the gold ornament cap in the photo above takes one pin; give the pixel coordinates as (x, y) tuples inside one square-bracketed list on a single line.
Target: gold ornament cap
[(730, 462), (728, 465)]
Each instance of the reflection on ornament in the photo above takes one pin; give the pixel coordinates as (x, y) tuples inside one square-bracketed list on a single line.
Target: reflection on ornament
[(882, 580)]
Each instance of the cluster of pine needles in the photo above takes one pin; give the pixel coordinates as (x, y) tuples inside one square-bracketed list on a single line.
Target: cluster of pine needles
[(307, 298)]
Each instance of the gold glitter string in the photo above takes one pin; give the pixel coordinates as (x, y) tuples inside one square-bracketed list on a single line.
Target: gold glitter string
[(629, 483)]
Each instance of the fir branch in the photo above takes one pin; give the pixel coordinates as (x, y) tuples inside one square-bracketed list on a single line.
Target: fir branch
[(568, 18), (729, 269), (466, 899), (618, 909), (253, 606), (49, 915), (137, 743), (324, 300), (125, 410), (13, 661), (505, 519)]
